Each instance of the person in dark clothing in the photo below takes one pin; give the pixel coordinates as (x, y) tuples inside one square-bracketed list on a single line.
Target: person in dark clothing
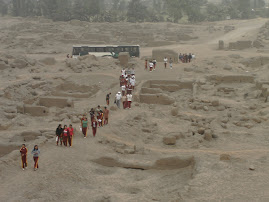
[(190, 57), (59, 134), (181, 57), (186, 58), (107, 98), (92, 114)]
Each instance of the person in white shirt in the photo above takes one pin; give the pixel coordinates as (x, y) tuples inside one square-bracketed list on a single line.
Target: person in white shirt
[(165, 60), (123, 72), (151, 66), (129, 100), (123, 89), (193, 56), (132, 82), (171, 63), (118, 99)]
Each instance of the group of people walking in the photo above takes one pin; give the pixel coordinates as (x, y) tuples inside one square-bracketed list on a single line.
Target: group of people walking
[(64, 135), (35, 152), (99, 118), (186, 58), (151, 65), (127, 85)]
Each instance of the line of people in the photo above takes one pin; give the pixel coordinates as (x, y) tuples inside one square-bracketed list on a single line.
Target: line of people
[(99, 117), (127, 85), (35, 152)]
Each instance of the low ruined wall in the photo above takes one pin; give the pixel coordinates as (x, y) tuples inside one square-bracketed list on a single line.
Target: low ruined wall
[(35, 110), (160, 98), (56, 102), (170, 86), (150, 90), (240, 45), (231, 79), (255, 62)]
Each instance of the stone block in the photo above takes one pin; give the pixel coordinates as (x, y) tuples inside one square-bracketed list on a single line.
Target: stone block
[(124, 58), (221, 45), (169, 140)]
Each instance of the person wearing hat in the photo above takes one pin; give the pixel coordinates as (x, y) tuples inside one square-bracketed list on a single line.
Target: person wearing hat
[(118, 99)]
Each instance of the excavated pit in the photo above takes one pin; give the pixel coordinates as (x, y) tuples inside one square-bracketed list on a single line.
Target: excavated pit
[(6, 149), (170, 163)]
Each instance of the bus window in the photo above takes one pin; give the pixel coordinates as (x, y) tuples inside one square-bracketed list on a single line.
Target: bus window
[(76, 51), (134, 49), (100, 49), (109, 49), (126, 49), (91, 49), (116, 50)]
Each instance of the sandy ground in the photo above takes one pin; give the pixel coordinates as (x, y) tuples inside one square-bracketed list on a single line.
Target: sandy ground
[(121, 163)]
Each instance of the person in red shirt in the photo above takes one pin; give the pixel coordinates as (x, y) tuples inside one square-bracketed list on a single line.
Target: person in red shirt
[(23, 152), (65, 135), (70, 135), (106, 114), (94, 127)]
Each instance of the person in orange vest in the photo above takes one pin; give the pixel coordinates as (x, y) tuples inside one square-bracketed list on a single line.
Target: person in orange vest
[(94, 127), (65, 135), (23, 152), (106, 114), (146, 64), (70, 135)]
